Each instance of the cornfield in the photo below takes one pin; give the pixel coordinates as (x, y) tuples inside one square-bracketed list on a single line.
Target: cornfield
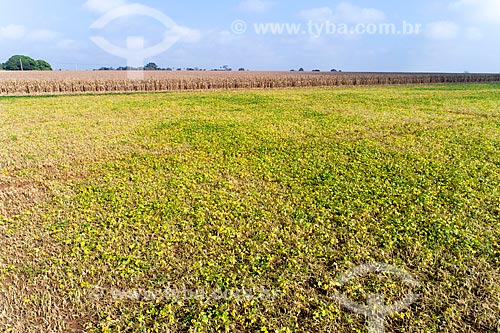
[(43, 83)]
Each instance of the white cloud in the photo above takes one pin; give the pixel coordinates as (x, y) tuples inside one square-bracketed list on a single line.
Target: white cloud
[(442, 30), (255, 6), (474, 34), (318, 14), (344, 13), (22, 33), (42, 35), (14, 32), (224, 37), (67, 44), (102, 6), (187, 35), (352, 14), (480, 11)]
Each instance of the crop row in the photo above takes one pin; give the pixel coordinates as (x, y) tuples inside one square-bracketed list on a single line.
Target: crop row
[(86, 83)]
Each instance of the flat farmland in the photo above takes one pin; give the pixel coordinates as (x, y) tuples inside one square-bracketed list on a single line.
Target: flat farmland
[(150, 212), (92, 82)]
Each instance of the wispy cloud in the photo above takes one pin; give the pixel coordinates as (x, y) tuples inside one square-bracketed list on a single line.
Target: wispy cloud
[(13, 32), (442, 30), (255, 6), (102, 6), (186, 35), (19, 32), (68, 44), (321, 14), (344, 12), (474, 34), (43, 35), (480, 11)]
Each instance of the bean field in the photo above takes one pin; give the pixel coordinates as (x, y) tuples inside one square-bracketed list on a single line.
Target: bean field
[(239, 211)]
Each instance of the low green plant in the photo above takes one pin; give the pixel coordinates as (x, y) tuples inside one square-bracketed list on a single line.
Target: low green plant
[(277, 190)]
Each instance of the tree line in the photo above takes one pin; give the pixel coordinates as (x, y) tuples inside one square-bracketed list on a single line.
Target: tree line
[(154, 67)]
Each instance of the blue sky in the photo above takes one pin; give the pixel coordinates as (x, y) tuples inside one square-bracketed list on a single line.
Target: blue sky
[(455, 35)]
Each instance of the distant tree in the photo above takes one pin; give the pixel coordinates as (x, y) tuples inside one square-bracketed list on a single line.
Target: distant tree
[(151, 67), (18, 62), (292, 70), (22, 62), (316, 70), (334, 71), (43, 65), (301, 69), (241, 69)]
